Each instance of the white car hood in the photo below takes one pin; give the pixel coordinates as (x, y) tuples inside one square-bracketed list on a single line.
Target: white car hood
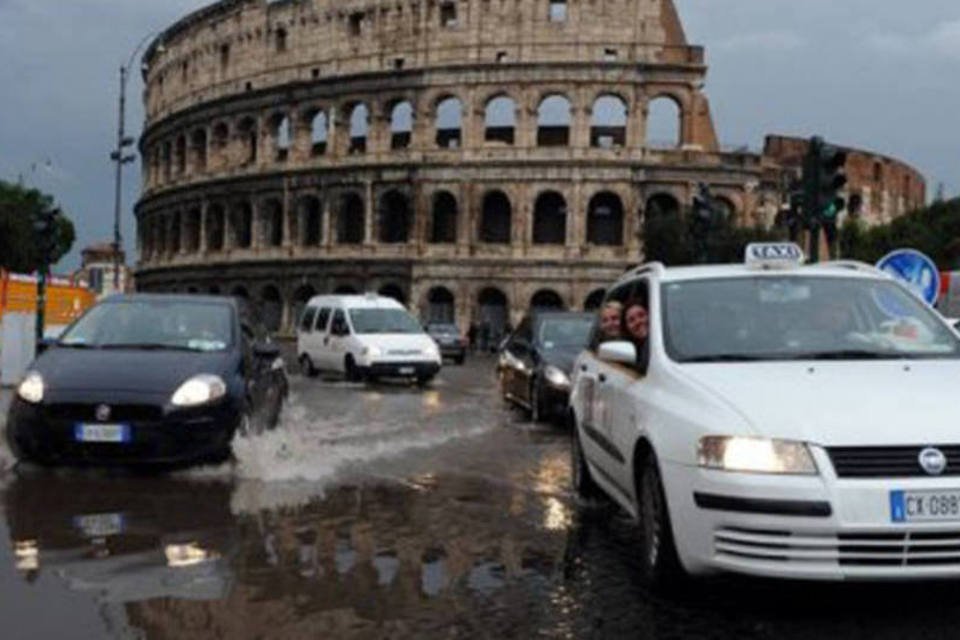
[(896, 402)]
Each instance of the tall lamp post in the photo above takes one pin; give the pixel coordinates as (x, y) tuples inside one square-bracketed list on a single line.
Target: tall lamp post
[(119, 157)]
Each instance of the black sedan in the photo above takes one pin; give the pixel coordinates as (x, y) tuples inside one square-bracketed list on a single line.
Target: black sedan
[(448, 339), (149, 379), (536, 361)]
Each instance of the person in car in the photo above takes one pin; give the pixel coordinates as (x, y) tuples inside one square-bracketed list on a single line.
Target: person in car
[(636, 328), (610, 320)]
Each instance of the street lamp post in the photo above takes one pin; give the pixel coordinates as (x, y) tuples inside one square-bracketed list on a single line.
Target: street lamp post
[(119, 157)]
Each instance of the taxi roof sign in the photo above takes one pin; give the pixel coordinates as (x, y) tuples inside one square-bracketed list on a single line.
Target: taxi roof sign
[(773, 255)]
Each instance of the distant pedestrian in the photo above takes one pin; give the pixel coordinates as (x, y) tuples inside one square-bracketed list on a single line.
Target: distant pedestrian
[(472, 336)]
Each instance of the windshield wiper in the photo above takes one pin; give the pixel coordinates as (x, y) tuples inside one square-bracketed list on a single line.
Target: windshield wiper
[(848, 354), (725, 357), (148, 346), (75, 345)]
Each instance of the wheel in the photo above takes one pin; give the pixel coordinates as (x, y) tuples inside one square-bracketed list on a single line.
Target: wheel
[(423, 381), (587, 492), (350, 369), (662, 568), (307, 368)]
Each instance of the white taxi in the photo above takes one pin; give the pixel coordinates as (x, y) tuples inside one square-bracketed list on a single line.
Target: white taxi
[(780, 420)]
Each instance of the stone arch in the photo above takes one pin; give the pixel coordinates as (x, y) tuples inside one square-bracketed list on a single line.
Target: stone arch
[(443, 222), (271, 308), (174, 238), (493, 315), (220, 135), (401, 124), (554, 120), (214, 290), (198, 148), (664, 122), (393, 291), (346, 290), (605, 220), (191, 231), (180, 153), (395, 221), (662, 204), (496, 218), (500, 119), (319, 132), (216, 223), (310, 222), (166, 155), (271, 231), (594, 300), (550, 219), (449, 122), (608, 122), (281, 135), (359, 120), (726, 207), (242, 225), (547, 299), (248, 133), (350, 219), (441, 305), (300, 299), (240, 291)]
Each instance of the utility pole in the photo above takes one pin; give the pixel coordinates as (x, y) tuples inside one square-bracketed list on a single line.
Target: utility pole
[(118, 156)]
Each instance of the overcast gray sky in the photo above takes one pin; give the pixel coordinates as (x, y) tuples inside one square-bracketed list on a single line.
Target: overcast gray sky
[(879, 74)]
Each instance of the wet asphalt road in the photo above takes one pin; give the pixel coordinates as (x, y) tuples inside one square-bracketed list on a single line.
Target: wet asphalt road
[(384, 512)]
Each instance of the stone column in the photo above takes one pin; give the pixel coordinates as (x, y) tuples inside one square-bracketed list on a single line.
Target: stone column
[(581, 112), (328, 229), (202, 240), (369, 213)]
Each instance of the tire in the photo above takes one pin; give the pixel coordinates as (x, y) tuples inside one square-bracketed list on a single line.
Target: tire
[(424, 381), (307, 368), (587, 492), (661, 564), (351, 372)]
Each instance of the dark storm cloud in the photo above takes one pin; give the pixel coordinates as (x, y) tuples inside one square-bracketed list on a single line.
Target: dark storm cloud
[(874, 73)]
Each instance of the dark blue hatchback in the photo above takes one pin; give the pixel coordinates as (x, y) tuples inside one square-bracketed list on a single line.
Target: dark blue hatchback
[(149, 379)]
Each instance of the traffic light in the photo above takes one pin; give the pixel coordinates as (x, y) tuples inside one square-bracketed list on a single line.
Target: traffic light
[(45, 237), (823, 180)]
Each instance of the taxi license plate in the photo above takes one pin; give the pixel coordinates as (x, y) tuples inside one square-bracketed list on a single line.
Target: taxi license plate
[(407, 371), (100, 525), (117, 433), (925, 506)]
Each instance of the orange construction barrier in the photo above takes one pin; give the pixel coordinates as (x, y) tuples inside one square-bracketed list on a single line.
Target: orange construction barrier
[(65, 300)]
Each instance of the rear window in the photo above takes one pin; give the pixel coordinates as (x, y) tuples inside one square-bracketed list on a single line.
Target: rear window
[(306, 323), (322, 318)]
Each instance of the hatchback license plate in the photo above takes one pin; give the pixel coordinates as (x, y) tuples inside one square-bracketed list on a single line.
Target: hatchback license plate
[(117, 433), (925, 506), (100, 525), (407, 371)]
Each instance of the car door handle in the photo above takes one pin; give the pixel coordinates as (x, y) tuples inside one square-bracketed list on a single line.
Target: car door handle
[(602, 377)]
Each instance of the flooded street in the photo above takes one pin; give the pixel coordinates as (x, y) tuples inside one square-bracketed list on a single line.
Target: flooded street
[(383, 512)]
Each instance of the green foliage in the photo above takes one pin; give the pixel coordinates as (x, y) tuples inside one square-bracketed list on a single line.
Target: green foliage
[(934, 230), (19, 207), (670, 239)]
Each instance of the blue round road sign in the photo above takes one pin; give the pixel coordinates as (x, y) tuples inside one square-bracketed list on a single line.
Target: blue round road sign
[(915, 270)]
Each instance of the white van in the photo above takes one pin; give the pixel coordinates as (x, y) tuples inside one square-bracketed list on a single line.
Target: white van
[(365, 337)]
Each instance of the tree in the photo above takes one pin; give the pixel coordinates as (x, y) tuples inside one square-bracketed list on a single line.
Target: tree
[(19, 208)]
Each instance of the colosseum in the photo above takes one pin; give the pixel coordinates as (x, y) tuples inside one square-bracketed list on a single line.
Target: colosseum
[(471, 158)]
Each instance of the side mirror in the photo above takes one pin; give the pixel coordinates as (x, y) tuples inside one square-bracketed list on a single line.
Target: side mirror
[(620, 352), (45, 343), (266, 350)]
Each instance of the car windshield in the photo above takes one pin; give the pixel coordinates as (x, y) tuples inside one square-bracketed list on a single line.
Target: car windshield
[(383, 321), (564, 332), (798, 318), (153, 324), (443, 329)]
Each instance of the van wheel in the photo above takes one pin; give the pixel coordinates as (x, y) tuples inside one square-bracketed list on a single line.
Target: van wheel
[(658, 551), (350, 369), (307, 368)]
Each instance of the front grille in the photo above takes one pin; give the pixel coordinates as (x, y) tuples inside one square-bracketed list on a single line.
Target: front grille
[(888, 462), (118, 412), (853, 549)]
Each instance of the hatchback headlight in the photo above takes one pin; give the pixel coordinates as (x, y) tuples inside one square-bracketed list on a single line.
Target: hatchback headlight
[(31, 389), (199, 390), (755, 455), (556, 376), (372, 352)]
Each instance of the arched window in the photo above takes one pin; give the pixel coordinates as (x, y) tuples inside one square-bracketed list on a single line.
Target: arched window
[(166, 153), (175, 223), (393, 291), (550, 219), (663, 123), (272, 223), (493, 313), (662, 205), (281, 136), (300, 299), (495, 219), (401, 125), (242, 225), (181, 159), (449, 122), (215, 225), (221, 135), (605, 220), (594, 300), (350, 219), (608, 125), (240, 292), (359, 128), (198, 148), (396, 218), (271, 308), (500, 121), (440, 305), (553, 122), (547, 299), (191, 241), (345, 290), (311, 222), (319, 130), (444, 223), (247, 130), (280, 40)]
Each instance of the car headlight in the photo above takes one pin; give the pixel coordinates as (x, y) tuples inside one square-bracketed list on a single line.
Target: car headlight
[(31, 389), (433, 350), (556, 376), (755, 455), (199, 390), (372, 352)]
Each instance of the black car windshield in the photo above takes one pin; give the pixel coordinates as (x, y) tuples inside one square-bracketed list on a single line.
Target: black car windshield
[(799, 318), (383, 321), (564, 332), (153, 324)]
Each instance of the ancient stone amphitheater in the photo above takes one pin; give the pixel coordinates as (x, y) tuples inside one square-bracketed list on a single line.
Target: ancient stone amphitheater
[(469, 157)]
